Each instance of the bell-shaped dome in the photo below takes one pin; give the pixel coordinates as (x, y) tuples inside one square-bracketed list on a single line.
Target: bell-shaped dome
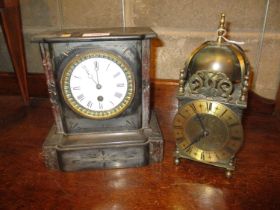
[(217, 57), (216, 69)]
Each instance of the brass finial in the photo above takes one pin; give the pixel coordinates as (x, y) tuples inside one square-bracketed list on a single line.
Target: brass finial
[(222, 21), (221, 29), (181, 82)]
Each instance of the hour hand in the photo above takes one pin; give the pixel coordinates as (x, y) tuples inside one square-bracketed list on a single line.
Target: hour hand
[(196, 139), (90, 75)]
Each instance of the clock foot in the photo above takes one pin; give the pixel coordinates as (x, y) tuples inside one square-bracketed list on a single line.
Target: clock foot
[(177, 155), (176, 161), (230, 168), (228, 173)]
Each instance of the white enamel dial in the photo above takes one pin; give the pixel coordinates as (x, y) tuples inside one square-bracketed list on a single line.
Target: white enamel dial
[(98, 84)]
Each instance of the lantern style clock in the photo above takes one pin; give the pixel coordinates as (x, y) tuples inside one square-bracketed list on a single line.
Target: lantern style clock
[(212, 94), (99, 87)]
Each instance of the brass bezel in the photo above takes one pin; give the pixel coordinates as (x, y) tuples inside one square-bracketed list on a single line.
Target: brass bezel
[(81, 110), (232, 143)]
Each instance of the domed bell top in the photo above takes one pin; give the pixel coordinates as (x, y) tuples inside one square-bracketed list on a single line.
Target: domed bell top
[(216, 69), (218, 57)]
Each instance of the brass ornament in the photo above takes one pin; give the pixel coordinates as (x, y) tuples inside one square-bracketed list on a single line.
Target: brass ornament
[(210, 83), (223, 58), (208, 132), (213, 90)]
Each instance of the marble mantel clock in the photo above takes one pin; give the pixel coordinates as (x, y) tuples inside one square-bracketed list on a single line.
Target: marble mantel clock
[(99, 87)]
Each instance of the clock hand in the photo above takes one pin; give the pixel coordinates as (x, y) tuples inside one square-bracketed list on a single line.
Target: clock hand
[(96, 68), (196, 139), (90, 76), (200, 120)]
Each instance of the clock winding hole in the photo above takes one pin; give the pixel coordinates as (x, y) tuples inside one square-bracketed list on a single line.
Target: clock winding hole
[(100, 98)]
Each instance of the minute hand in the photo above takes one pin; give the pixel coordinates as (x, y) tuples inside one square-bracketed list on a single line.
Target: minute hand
[(199, 119), (96, 68)]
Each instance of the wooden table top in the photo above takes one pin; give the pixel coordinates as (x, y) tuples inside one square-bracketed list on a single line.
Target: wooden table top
[(25, 183)]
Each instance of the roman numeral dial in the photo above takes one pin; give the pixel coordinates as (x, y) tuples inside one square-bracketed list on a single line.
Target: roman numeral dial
[(98, 84), (207, 131)]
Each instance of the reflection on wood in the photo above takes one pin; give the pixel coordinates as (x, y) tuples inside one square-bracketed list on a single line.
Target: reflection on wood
[(26, 183)]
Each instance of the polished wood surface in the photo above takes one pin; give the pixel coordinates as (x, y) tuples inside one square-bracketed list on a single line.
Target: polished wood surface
[(277, 103), (10, 18), (25, 183), (37, 85)]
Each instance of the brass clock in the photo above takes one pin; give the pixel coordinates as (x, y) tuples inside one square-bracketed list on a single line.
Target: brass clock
[(98, 84), (207, 131), (98, 80), (212, 95)]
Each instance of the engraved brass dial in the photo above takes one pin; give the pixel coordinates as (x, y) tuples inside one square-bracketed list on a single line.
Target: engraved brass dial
[(207, 131), (98, 84)]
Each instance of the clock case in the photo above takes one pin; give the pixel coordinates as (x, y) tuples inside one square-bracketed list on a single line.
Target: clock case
[(131, 139), (228, 84)]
